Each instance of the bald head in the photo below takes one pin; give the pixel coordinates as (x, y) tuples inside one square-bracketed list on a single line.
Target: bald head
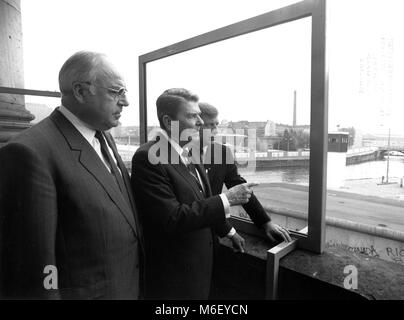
[(84, 66), (90, 84)]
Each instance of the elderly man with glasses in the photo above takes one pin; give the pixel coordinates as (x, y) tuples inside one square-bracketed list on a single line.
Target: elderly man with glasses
[(68, 223)]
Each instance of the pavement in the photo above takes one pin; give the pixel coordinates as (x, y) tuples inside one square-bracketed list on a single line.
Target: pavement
[(371, 209), (375, 187)]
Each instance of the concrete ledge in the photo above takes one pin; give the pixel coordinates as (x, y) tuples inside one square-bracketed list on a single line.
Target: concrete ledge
[(375, 242), (377, 279)]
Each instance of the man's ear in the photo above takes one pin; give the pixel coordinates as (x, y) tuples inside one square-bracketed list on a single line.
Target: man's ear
[(79, 91), (167, 122)]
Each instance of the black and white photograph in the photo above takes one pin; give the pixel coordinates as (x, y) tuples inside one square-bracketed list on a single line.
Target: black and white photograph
[(202, 155)]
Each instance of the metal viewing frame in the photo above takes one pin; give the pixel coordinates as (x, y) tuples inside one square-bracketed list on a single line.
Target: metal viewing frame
[(314, 240), (312, 237)]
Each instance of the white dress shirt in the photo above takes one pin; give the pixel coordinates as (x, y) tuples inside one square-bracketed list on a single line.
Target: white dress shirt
[(88, 134), (184, 160), (223, 197)]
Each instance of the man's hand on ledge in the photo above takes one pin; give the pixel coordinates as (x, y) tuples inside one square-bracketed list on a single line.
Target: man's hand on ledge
[(238, 243), (276, 233)]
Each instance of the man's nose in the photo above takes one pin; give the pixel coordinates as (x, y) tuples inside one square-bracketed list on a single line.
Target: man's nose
[(199, 121), (123, 101)]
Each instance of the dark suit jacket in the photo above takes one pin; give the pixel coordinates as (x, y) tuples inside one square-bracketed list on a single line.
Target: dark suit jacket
[(60, 206), (177, 221), (224, 171)]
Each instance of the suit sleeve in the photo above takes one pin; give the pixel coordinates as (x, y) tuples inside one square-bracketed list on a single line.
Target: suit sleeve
[(253, 208), (159, 206), (28, 219), (223, 229)]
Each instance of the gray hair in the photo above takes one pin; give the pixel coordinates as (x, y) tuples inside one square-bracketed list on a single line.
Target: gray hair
[(81, 66)]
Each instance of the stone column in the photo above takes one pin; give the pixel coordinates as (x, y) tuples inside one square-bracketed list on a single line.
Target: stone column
[(13, 116)]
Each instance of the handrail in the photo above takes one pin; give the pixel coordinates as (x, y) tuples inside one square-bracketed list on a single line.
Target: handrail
[(30, 92)]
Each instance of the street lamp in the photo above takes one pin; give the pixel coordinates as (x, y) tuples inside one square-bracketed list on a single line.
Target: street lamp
[(388, 159)]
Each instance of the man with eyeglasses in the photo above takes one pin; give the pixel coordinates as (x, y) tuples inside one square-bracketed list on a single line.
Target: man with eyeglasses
[(68, 223)]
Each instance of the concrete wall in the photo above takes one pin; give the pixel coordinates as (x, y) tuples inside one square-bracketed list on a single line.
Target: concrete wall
[(375, 242), (360, 158), (373, 245)]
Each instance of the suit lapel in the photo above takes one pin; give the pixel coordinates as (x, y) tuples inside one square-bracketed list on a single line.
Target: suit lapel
[(89, 159), (183, 171), (178, 165)]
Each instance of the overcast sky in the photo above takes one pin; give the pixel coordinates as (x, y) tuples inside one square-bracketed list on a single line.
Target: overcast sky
[(248, 79)]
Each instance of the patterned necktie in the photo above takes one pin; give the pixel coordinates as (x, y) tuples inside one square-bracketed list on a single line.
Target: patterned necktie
[(114, 169)]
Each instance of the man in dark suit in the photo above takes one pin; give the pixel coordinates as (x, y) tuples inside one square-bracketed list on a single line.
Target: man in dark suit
[(175, 202), (222, 170), (68, 225)]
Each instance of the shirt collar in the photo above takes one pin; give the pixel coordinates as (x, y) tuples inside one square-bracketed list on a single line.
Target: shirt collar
[(81, 126)]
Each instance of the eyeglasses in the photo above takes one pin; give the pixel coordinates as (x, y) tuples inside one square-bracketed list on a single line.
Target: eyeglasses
[(118, 92)]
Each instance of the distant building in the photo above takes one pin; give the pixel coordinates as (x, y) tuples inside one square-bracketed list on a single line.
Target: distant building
[(280, 128), (268, 133), (336, 158), (244, 126), (338, 142)]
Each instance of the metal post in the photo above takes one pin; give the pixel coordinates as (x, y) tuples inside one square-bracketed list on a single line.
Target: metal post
[(388, 159), (272, 269)]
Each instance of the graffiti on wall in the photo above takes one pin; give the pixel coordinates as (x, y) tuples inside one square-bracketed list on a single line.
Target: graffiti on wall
[(387, 253), (396, 254), (369, 251)]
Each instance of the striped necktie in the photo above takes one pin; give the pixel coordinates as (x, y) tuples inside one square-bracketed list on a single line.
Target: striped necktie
[(111, 162)]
